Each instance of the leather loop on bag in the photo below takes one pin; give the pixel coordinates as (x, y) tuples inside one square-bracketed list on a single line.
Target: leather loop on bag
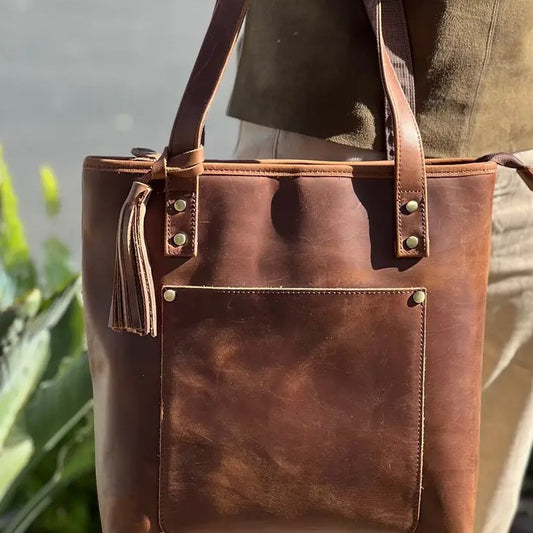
[(186, 165), (505, 159), (180, 173)]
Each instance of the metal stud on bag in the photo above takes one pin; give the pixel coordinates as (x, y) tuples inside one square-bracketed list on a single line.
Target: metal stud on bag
[(169, 295), (412, 242), (180, 205), (412, 206), (180, 239), (419, 297)]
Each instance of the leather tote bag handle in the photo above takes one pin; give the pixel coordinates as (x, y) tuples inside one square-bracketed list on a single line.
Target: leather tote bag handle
[(183, 158), (398, 43)]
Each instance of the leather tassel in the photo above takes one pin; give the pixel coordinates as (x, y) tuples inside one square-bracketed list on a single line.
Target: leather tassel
[(133, 306)]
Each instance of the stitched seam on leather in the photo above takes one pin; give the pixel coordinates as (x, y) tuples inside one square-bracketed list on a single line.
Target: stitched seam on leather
[(399, 232), (168, 246), (281, 173), (290, 291), (463, 172), (424, 225), (117, 169), (160, 505), (192, 221), (284, 172), (173, 251), (421, 399), (398, 175), (252, 172), (399, 144)]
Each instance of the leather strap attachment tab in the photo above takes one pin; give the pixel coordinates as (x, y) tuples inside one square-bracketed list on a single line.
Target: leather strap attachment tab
[(181, 173), (181, 219), (412, 233)]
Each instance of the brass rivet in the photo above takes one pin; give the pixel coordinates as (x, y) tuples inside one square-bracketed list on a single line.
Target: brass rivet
[(419, 297), (169, 295), (180, 239), (412, 242), (412, 206), (180, 205)]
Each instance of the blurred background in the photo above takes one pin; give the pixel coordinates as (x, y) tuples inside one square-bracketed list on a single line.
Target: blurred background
[(94, 77)]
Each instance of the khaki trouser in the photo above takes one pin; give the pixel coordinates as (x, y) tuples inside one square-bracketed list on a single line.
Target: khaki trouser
[(507, 409)]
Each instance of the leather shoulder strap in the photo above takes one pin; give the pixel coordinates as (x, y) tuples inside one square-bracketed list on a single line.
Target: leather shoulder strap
[(396, 38), (397, 41), (210, 65), (410, 180)]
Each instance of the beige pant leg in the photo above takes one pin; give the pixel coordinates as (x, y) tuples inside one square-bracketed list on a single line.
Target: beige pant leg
[(507, 408), (507, 411), (260, 142)]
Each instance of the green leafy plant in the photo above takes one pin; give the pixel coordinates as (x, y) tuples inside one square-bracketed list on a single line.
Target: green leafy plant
[(46, 437)]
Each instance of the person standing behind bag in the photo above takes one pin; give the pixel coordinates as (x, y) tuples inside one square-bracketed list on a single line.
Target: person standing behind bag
[(306, 88)]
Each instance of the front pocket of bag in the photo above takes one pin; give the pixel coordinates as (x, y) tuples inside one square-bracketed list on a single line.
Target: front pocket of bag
[(291, 406)]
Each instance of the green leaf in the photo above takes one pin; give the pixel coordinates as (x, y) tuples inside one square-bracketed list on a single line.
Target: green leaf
[(68, 337), (59, 404), (13, 320), (75, 459), (23, 363), (73, 511), (58, 266), (21, 368), (50, 188), (56, 408), (14, 249), (55, 307), (14, 458), (8, 289)]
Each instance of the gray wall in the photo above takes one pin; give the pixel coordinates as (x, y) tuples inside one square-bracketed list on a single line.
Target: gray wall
[(81, 77)]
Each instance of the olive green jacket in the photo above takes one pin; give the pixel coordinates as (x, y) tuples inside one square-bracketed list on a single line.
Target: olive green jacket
[(310, 66)]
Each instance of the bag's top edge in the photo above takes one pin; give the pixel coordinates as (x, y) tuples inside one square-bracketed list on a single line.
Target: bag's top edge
[(274, 167)]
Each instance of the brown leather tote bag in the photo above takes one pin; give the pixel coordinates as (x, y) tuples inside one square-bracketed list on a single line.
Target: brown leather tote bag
[(303, 362)]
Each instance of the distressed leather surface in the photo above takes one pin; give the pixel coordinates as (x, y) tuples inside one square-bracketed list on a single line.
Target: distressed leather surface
[(273, 400), (277, 224)]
